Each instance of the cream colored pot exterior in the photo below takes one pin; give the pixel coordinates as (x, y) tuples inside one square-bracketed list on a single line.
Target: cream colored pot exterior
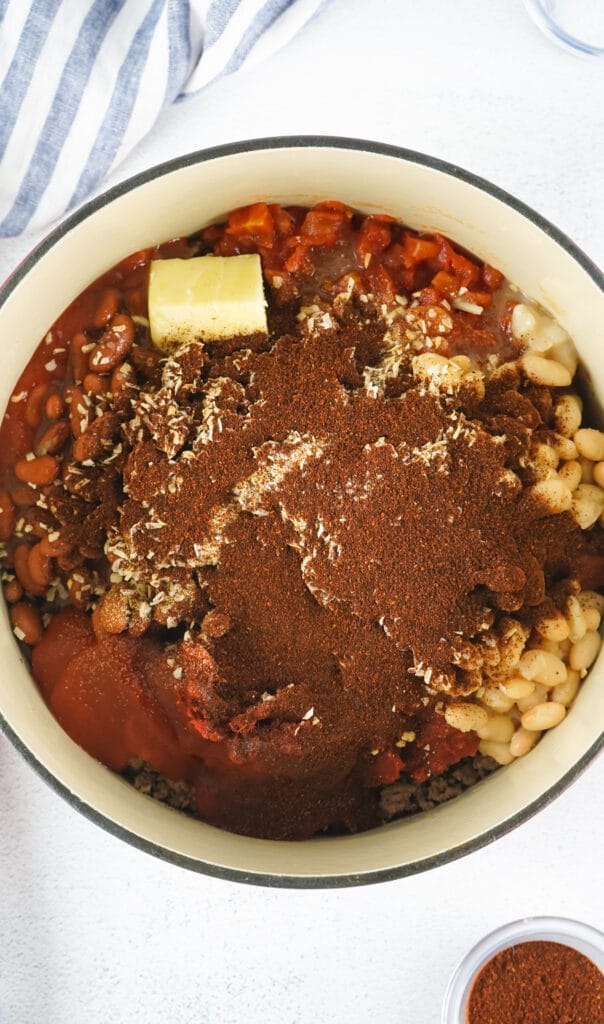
[(175, 200)]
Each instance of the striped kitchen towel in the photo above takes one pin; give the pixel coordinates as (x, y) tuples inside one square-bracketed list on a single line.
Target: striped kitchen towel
[(84, 80)]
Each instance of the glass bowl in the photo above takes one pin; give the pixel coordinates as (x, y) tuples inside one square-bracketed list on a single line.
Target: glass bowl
[(579, 936), (575, 25)]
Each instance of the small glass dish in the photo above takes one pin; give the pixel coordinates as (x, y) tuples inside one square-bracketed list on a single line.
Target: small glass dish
[(575, 25), (583, 937)]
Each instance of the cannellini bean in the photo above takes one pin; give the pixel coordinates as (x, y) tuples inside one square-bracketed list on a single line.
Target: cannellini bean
[(554, 627), (522, 741), (564, 352), (591, 599), (462, 361), (500, 752), (564, 447), (590, 443), (545, 455), (587, 470), (570, 474), (517, 687), (564, 646), (552, 646), (542, 667), (566, 692), (543, 716), (493, 698), (548, 372), (538, 695), (576, 619), (497, 727), (592, 618), (466, 716), (525, 323), (585, 651), (587, 505), (553, 493), (567, 415), (598, 474), (438, 368)]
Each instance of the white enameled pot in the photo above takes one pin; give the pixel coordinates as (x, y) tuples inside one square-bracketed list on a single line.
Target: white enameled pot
[(175, 199)]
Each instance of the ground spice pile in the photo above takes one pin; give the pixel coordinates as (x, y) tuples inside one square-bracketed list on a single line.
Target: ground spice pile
[(537, 983)]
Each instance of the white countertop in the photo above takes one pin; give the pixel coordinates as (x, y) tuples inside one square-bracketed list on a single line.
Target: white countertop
[(93, 931)]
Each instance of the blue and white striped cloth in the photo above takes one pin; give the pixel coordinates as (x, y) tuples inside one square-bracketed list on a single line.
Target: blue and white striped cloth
[(84, 80)]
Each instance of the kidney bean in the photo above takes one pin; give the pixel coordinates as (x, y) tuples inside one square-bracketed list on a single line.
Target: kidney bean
[(39, 471), (121, 377), (56, 548), (145, 359), (35, 405), (13, 591), (23, 495), (114, 345), (54, 407), (79, 412), (21, 560), (7, 516), (53, 439), (93, 384), (107, 308), (25, 620), (79, 356), (92, 443), (39, 522), (40, 567)]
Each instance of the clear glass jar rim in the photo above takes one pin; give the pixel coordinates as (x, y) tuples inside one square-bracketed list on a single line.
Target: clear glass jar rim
[(583, 937)]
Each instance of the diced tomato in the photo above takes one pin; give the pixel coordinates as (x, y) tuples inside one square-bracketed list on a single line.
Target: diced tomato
[(299, 262), (491, 277), (283, 221), (483, 299), (253, 223), (430, 297), (384, 768), (436, 746), (322, 227), (381, 283), (445, 283), (335, 206), (373, 238), (416, 250), (465, 271)]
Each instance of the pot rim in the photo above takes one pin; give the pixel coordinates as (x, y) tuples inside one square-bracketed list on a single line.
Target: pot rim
[(271, 879)]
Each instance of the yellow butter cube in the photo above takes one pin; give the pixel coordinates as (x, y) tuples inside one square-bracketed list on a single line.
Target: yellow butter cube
[(205, 298)]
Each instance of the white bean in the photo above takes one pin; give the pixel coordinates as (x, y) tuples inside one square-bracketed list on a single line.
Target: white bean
[(554, 627), (538, 695), (497, 727), (566, 354), (517, 687), (493, 698), (585, 651), (566, 692), (587, 470), (577, 627), (590, 443), (564, 447), (592, 618), (598, 474), (522, 741), (570, 474), (543, 716), (466, 716), (542, 667), (591, 599), (548, 372), (567, 415), (553, 493), (587, 505), (500, 752)]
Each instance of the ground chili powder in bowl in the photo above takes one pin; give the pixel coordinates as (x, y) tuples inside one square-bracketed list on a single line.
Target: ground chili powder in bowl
[(543, 970)]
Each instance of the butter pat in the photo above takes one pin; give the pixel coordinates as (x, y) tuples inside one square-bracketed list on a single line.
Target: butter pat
[(205, 298)]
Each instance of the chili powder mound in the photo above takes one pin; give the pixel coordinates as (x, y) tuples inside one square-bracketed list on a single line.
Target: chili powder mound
[(537, 983)]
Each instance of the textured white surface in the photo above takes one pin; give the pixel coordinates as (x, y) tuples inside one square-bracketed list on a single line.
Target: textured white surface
[(91, 930)]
